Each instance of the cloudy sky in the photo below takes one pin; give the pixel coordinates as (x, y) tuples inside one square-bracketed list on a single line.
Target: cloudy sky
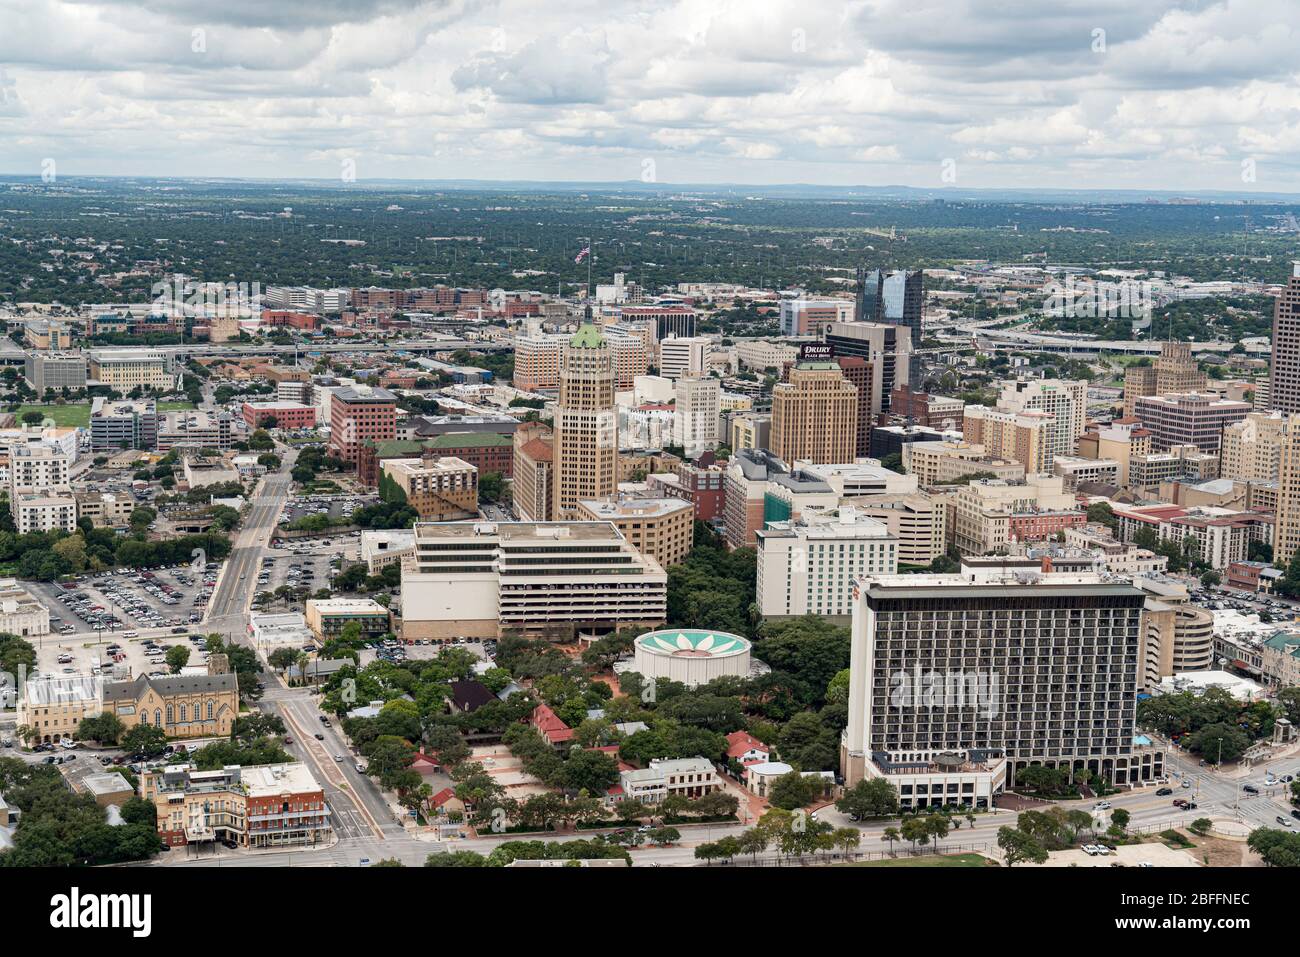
[(1103, 93)]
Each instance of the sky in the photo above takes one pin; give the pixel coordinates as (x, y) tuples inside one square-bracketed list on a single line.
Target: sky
[(1145, 94)]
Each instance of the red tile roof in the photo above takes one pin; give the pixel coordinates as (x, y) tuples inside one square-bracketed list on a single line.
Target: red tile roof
[(551, 727), (738, 742)]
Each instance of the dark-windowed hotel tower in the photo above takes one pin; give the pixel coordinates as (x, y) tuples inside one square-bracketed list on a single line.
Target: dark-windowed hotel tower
[(1059, 655)]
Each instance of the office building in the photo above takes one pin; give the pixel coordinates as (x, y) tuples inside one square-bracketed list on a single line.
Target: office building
[(196, 429), (1174, 371), (658, 528), (750, 430), (916, 521), (990, 514), (532, 492), (815, 415), (888, 348), (960, 682), (696, 415), (921, 408), (55, 371), (889, 440), (47, 335), (327, 617), (127, 369), (809, 566), (117, 424), (585, 446), (1122, 442), (280, 414), (809, 317), (1284, 370), (684, 357), (1287, 537), (105, 509), (896, 297), (939, 463), (561, 579), (1197, 418), (360, 414), (858, 372), (667, 321)]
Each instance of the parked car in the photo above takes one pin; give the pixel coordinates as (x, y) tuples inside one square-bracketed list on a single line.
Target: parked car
[(1164, 792)]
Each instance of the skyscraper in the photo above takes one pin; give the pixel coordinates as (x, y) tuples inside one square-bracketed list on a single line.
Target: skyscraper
[(586, 423), (815, 415), (896, 297), (1284, 377), (957, 683), (886, 347)]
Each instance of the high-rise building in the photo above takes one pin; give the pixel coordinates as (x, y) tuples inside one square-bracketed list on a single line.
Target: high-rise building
[(1195, 418), (859, 372), (533, 486), (1067, 399), (960, 682), (55, 370), (683, 356), (888, 349), (1173, 371), (360, 414), (1286, 538), (1023, 437), (815, 415), (1252, 448), (697, 413), (807, 317), (586, 423), (896, 297), (1284, 371), (439, 489)]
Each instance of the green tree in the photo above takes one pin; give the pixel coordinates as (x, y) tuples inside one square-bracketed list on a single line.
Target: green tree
[(869, 798), (178, 657), (1018, 847)]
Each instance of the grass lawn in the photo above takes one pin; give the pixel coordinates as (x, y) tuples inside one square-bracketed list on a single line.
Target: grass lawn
[(65, 416), (174, 405), (927, 860)]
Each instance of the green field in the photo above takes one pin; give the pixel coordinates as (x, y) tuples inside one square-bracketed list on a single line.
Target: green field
[(174, 405), (64, 416), (934, 860)]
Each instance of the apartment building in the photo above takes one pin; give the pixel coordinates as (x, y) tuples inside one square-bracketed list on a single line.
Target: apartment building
[(809, 566), (658, 528), (938, 463), (1221, 535), (989, 514), (1196, 418), (105, 509), (1023, 437), (440, 489), (1065, 399), (484, 579), (815, 415), (117, 424), (1180, 463), (40, 498), (1284, 370), (750, 430), (959, 682), (273, 805)]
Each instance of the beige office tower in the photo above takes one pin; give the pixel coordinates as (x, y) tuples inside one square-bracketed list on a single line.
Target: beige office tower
[(1174, 371), (1251, 449), (815, 415), (586, 423), (1067, 399), (1286, 533)]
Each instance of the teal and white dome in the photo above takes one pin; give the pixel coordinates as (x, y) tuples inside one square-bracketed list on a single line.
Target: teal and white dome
[(694, 656)]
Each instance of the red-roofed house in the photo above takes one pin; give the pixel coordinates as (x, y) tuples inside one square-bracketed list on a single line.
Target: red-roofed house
[(446, 802), (549, 725), (744, 748)]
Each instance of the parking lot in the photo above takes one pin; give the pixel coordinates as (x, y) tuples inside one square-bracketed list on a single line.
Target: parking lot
[(112, 603), (335, 506), (82, 654)]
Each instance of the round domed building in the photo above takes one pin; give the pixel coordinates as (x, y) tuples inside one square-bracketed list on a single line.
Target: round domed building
[(692, 656)]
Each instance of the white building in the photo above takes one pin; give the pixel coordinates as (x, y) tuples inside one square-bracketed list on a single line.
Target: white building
[(287, 630), (482, 579), (683, 357), (695, 420), (692, 656), (20, 613), (808, 567), (380, 547), (689, 777)]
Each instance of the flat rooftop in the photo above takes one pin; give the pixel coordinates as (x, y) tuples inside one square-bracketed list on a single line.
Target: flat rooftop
[(517, 531), (636, 507)]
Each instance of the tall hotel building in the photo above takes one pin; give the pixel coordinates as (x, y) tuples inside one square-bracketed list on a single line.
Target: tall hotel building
[(959, 682), (360, 414), (887, 348), (815, 415), (586, 423), (1284, 378)]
